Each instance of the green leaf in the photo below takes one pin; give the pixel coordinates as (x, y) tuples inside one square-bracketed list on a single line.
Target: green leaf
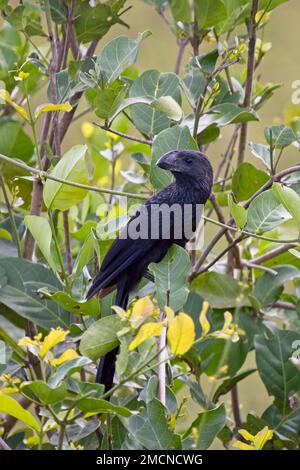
[(265, 213), (153, 85), (171, 277), (263, 153), (118, 54), (209, 423), (92, 406), (108, 100), (14, 142), (40, 229), (209, 13), (150, 428), (181, 10), (220, 290), (277, 372), (193, 84), (101, 337), (45, 394), (247, 180), (238, 212), (67, 369), (19, 293), (11, 407), (227, 384), (178, 138), (84, 256), (282, 136), (287, 425), (93, 22), (268, 288), (289, 199), (85, 307), (59, 11), (70, 167)]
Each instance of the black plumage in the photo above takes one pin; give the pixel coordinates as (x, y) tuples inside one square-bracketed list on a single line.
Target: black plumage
[(129, 256)]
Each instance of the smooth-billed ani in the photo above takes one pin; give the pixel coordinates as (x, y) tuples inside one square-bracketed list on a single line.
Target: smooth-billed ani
[(138, 244)]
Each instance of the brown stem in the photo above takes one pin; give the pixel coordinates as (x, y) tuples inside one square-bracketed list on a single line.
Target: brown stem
[(181, 46), (3, 445), (236, 406), (249, 80), (273, 253)]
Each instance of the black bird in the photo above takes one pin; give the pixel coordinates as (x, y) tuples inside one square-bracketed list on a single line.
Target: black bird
[(129, 256)]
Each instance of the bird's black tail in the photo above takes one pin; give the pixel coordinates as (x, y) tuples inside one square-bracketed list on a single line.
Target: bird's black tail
[(106, 369)]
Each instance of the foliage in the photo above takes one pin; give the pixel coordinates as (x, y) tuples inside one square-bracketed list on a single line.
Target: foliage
[(206, 312)]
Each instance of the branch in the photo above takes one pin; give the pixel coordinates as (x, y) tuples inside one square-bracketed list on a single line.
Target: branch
[(3, 445), (273, 253), (249, 80), (252, 265), (249, 234), (45, 175), (197, 270), (125, 136), (236, 406), (181, 46)]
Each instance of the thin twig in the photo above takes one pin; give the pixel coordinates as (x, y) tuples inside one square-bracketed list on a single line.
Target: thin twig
[(126, 136), (45, 175), (3, 445), (273, 253), (252, 265), (249, 79), (181, 47)]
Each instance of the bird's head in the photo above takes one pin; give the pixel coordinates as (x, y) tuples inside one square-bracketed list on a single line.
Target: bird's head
[(189, 166)]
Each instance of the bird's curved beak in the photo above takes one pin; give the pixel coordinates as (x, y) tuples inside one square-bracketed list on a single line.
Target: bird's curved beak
[(168, 161)]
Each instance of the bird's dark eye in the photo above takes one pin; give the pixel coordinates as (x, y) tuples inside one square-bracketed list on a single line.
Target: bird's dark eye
[(189, 161)]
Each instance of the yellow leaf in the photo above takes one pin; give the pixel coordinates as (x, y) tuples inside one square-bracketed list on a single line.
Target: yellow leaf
[(146, 331), (10, 406), (169, 313), (23, 75), (64, 357), (262, 437), (6, 97), (181, 334), (141, 310), (242, 446), (205, 325), (246, 435), (26, 341), (45, 108), (55, 336), (9, 390)]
